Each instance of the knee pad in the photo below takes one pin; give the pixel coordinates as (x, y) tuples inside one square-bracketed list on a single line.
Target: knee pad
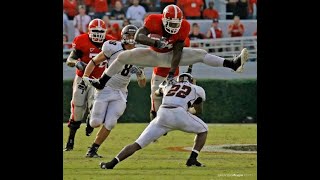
[(74, 125), (94, 123)]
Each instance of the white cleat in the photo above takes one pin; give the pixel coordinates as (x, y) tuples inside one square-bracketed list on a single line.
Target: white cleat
[(244, 55)]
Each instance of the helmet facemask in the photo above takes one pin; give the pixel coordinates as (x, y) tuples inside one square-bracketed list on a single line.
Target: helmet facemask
[(172, 26), (128, 38), (97, 34), (185, 77)]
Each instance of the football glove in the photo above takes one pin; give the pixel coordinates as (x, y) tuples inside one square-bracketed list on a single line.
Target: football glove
[(81, 65), (160, 44)]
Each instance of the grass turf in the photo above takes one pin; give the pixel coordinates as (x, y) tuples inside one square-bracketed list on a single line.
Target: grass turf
[(155, 161)]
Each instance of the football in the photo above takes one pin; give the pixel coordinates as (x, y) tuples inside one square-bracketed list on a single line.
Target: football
[(155, 36)]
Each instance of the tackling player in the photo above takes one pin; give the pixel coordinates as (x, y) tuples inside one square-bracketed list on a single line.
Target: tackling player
[(172, 115), (169, 50), (110, 102), (159, 74), (85, 47)]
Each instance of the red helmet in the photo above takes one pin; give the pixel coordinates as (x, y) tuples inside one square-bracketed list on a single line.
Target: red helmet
[(172, 18), (97, 30)]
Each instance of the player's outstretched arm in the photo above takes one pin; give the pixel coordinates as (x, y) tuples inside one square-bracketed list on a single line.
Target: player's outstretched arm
[(177, 53), (73, 57), (94, 62), (141, 37)]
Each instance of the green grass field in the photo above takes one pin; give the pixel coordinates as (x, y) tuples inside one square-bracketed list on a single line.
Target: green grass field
[(156, 162)]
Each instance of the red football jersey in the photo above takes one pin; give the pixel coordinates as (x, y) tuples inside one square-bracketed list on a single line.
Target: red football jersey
[(164, 71), (89, 50), (154, 25)]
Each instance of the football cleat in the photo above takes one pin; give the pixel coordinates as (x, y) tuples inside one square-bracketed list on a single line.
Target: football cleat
[(240, 60), (69, 147), (194, 162), (92, 153), (106, 165)]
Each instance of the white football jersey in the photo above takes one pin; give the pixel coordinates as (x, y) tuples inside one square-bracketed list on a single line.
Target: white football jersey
[(111, 50), (182, 94)]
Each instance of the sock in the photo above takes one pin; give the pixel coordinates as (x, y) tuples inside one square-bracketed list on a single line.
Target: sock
[(213, 60), (194, 154), (72, 134), (95, 146), (115, 161), (229, 64)]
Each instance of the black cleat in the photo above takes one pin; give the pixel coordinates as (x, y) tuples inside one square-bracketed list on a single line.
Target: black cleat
[(106, 165), (69, 147), (92, 153), (194, 162), (165, 134), (89, 130)]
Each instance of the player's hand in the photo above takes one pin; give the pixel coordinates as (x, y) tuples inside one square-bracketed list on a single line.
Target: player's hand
[(135, 70), (81, 65), (160, 44), (93, 82), (170, 79)]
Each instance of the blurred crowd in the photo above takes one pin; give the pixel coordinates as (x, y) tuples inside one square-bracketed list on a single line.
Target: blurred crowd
[(81, 12)]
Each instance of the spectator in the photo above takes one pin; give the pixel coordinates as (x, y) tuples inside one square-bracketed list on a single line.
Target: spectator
[(136, 11), (66, 43), (81, 21), (196, 34), (115, 31), (191, 8), (241, 9), (211, 12), (147, 5), (106, 20), (70, 7), (65, 23), (125, 22), (230, 7), (236, 28), (252, 9), (215, 32), (164, 3), (100, 8), (117, 12), (88, 4)]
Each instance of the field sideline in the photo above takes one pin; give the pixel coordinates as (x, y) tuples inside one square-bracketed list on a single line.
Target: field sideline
[(156, 162)]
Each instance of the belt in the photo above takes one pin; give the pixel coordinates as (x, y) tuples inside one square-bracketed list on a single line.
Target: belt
[(169, 107)]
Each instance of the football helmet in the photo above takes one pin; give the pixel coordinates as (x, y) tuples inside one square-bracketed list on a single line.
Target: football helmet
[(97, 30), (183, 77), (172, 18), (127, 34)]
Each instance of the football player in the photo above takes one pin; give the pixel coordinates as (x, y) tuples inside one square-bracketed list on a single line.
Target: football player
[(159, 74), (173, 114), (110, 102), (168, 51), (85, 47)]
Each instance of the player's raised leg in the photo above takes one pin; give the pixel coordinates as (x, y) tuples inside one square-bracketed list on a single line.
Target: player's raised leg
[(192, 56)]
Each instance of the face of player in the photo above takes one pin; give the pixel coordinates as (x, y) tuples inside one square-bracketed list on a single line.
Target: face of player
[(129, 39)]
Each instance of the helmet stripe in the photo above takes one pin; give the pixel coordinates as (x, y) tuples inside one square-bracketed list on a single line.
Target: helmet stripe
[(175, 12), (98, 23)]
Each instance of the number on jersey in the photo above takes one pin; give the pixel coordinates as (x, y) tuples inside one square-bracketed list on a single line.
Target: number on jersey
[(185, 91)]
